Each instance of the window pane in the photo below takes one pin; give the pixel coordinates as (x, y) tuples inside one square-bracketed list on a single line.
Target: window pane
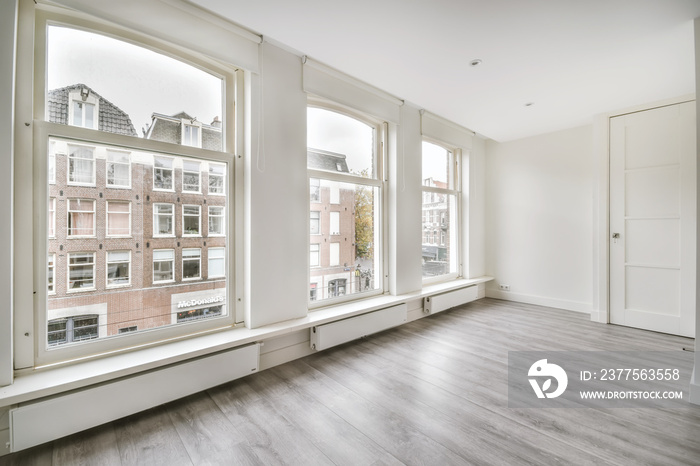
[(439, 235), (343, 248), (118, 250), (81, 165), (438, 171), (339, 143), (101, 80)]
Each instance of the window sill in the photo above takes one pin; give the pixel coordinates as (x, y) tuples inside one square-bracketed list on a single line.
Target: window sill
[(34, 384)]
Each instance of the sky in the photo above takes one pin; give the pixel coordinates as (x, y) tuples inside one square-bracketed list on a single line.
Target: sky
[(137, 80)]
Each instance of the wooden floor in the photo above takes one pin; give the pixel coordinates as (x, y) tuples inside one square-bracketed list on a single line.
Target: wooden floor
[(430, 392)]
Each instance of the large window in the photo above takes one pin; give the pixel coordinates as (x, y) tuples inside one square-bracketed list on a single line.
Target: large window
[(440, 212), (128, 165), (345, 184)]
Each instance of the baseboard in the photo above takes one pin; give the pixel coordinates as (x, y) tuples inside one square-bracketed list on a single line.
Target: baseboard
[(575, 306)]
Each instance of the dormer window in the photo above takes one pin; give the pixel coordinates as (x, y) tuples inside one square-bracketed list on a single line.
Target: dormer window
[(191, 133), (84, 108)]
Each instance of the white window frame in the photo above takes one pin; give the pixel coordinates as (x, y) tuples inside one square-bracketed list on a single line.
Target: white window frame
[(378, 181), (222, 258), (315, 250), (94, 165), (31, 352), (223, 179), (51, 265), (68, 267), (156, 223), (199, 261), (52, 217), (199, 220), (185, 140), (153, 268), (334, 223), (127, 164), (435, 217), (334, 256), (52, 163), (198, 172), (77, 96), (94, 219), (222, 216), (108, 262), (171, 168), (116, 201), (320, 230)]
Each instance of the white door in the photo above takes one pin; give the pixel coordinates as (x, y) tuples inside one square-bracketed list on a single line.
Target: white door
[(652, 219)]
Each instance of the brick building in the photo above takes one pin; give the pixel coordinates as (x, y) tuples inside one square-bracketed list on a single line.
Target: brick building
[(332, 214), (136, 240)]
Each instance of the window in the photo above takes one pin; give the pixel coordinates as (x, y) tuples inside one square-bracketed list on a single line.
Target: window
[(81, 217), (81, 271), (163, 220), (190, 176), (81, 165), (315, 259), (116, 191), (51, 272), (73, 329), (344, 165), (334, 254), (163, 265), (335, 223), (314, 190), (217, 262), (216, 220), (190, 220), (118, 169), (440, 201), (191, 262), (118, 268), (52, 217), (118, 218), (217, 175), (315, 222), (163, 173), (191, 135)]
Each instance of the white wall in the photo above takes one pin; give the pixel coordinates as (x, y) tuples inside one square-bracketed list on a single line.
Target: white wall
[(539, 218), (474, 200), (8, 22)]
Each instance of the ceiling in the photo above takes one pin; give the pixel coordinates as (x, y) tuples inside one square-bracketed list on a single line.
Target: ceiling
[(571, 60)]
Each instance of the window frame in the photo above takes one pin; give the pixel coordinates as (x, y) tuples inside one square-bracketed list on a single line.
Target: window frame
[(199, 221), (172, 173), (52, 218), (223, 221), (209, 258), (456, 192), (199, 262), (51, 265), (32, 352), (153, 266), (157, 223), (379, 181), (94, 218), (199, 176), (107, 263), (92, 183), (127, 164), (223, 179), (107, 217), (70, 290)]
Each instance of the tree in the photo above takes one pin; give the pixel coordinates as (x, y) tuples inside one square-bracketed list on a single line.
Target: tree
[(364, 220)]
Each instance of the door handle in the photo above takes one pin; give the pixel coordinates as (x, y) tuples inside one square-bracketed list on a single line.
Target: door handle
[(615, 237)]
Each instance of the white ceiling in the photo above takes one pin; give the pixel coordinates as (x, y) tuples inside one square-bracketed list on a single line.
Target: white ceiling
[(573, 59)]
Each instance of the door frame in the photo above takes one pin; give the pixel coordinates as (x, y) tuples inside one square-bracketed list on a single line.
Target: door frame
[(600, 311)]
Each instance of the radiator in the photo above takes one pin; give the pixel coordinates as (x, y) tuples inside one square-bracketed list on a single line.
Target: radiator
[(336, 333), (441, 302), (52, 418)]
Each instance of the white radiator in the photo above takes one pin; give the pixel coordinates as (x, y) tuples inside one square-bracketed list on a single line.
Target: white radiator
[(441, 302), (52, 418), (336, 333)]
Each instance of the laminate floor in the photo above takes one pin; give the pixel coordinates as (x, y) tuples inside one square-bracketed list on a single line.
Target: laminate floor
[(431, 392)]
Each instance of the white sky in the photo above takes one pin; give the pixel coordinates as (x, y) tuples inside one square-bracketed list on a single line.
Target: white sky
[(137, 80)]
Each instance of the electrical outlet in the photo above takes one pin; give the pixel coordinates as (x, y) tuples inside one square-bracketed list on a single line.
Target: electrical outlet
[(503, 287)]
